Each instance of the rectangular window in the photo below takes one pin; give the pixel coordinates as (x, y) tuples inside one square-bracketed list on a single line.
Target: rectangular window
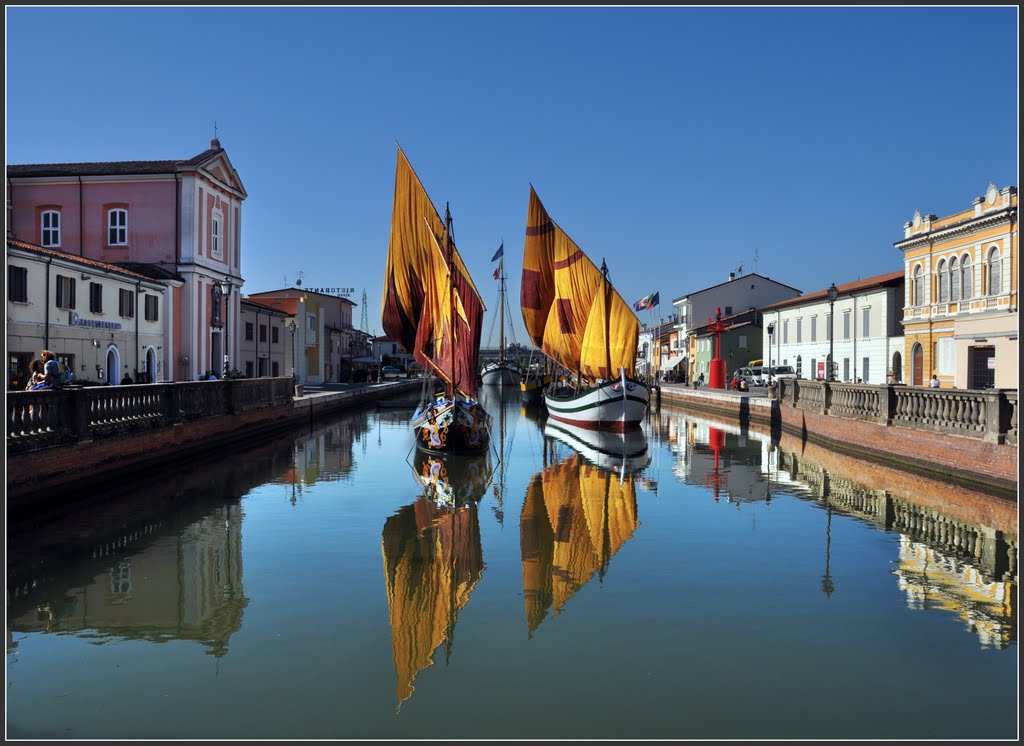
[(865, 365), (846, 325), (152, 308), (248, 368), (274, 334), (945, 357), (126, 303), (117, 227), (248, 331), (799, 331), (846, 369), (828, 327), (728, 310), (785, 332), (263, 332), (274, 367), (95, 297), (865, 328), (17, 284), (50, 229), (65, 292), (814, 329)]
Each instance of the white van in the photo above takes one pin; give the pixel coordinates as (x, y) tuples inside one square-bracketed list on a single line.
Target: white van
[(752, 375), (781, 371)]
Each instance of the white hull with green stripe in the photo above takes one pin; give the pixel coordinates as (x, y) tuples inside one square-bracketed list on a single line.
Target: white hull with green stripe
[(610, 405)]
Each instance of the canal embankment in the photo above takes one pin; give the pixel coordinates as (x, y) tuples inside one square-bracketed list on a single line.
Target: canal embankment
[(967, 438), (73, 441)]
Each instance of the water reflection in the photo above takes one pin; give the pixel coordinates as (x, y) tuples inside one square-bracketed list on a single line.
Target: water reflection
[(577, 513), (433, 559), (957, 548)]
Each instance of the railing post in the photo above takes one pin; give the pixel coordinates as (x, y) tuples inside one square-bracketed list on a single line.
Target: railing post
[(887, 405), (994, 432), (79, 405)]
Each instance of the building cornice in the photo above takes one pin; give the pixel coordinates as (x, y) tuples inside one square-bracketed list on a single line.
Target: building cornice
[(964, 228)]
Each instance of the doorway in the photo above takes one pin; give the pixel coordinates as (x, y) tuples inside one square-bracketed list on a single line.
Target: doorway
[(981, 367), (917, 365), (897, 367)]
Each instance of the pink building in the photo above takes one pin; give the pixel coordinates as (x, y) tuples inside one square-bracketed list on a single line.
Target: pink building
[(170, 218)]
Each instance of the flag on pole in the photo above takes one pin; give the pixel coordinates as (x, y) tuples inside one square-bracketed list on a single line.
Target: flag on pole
[(497, 271), (499, 253), (648, 301)]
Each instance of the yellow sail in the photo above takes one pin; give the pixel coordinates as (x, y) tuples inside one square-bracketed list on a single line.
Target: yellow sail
[(575, 517), (570, 309)]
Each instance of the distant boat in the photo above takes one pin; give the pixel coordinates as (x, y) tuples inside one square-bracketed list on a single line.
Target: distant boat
[(432, 308), (578, 320), (503, 370)]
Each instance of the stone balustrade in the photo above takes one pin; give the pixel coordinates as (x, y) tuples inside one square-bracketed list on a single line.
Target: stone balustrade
[(40, 419), (989, 414)]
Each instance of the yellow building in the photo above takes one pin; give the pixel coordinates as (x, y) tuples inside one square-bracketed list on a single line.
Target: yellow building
[(960, 313)]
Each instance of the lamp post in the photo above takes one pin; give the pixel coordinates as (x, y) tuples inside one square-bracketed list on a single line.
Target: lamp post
[(225, 291), (833, 293), (291, 328), (771, 332)]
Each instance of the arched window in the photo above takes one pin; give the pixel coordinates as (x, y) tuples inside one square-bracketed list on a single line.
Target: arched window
[(966, 278), (995, 281), (954, 280), (943, 280), (50, 228), (918, 299)]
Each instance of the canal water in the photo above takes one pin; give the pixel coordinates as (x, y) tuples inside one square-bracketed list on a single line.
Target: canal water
[(699, 580)]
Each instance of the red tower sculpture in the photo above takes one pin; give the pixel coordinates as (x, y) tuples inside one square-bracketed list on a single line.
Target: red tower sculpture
[(716, 371)]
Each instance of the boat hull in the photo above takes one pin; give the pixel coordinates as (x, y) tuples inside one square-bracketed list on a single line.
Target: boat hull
[(446, 425), (531, 390), (500, 374), (610, 405)]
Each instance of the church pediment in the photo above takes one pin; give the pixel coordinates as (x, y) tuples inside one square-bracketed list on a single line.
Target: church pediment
[(219, 168)]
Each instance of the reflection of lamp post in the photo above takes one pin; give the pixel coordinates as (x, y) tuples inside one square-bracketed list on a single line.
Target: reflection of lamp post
[(291, 328), (827, 586), (225, 289), (833, 293)]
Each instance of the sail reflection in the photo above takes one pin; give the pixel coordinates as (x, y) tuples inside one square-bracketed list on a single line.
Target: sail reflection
[(433, 559), (576, 515)]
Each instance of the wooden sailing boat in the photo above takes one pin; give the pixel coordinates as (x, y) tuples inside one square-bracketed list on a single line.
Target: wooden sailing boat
[(505, 370), (579, 321), (433, 309)]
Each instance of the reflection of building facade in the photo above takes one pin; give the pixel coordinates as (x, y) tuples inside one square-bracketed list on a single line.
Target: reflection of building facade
[(184, 586), (575, 517)]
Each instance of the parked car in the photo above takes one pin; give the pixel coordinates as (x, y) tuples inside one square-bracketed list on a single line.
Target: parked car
[(389, 371), (752, 375)]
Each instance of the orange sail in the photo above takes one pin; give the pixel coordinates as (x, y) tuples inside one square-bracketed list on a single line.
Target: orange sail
[(571, 311), (431, 305)]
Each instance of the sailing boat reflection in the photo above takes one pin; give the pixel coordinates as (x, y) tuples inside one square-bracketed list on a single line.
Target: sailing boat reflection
[(575, 517), (433, 559)]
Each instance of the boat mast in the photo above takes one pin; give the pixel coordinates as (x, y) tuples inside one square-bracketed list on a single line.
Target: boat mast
[(606, 286), (501, 312), (449, 248)]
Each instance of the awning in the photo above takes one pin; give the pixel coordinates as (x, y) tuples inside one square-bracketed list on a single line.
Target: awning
[(673, 362)]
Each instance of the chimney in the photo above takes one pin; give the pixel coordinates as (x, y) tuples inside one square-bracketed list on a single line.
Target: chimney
[(215, 144), (732, 276)]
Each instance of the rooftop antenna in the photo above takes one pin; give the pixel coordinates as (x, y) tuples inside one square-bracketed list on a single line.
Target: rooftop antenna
[(298, 278), (755, 260), (215, 130)]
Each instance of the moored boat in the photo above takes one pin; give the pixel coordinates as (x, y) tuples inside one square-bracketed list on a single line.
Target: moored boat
[(503, 370), (433, 309), (580, 322)]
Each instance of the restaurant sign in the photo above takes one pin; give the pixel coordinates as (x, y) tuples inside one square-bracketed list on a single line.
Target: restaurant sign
[(343, 292)]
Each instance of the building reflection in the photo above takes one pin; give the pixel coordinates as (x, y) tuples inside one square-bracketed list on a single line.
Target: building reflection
[(184, 585), (433, 560), (577, 513), (958, 548), (325, 454)]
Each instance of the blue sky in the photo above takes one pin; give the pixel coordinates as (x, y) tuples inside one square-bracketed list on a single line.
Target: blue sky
[(678, 144)]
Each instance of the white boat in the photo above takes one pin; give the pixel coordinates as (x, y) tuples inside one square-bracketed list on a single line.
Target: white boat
[(577, 319), (505, 369)]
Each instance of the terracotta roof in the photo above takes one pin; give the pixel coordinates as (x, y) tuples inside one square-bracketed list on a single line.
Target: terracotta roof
[(289, 305), (153, 271), (110, 168), (848, 288), (268, 305), (75, 259)]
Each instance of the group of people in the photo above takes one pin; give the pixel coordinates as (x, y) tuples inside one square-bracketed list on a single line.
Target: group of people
[(44, 372)]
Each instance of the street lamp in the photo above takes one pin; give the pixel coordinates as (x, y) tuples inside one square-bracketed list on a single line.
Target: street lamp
[(771, 331), (291, 328), (225, 291), (833, 293)]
